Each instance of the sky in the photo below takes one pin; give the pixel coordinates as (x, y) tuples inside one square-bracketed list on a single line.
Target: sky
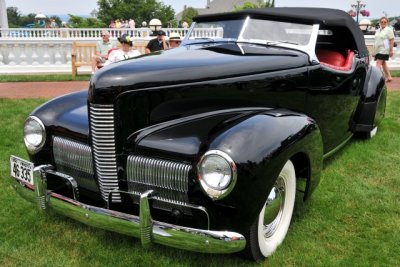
[(84, 7)]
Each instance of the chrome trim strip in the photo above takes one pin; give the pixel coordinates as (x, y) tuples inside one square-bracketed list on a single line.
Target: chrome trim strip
[(102, 132), (192, 239)]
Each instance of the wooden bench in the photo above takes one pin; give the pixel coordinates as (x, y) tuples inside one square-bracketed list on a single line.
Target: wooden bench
[(82, 53)]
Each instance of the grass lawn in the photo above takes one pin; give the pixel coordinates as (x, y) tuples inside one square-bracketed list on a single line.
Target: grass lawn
[(352, 219), (43, 78)]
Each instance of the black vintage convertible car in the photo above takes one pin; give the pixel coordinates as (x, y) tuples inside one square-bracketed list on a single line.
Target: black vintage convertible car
[(207, 147)]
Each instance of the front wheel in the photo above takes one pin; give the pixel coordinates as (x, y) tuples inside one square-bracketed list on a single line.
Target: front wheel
[(270, 228)]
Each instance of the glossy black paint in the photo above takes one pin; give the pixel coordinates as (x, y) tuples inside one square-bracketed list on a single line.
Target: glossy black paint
[(372, 104), (261, 105), (63, 116), (190, 65)]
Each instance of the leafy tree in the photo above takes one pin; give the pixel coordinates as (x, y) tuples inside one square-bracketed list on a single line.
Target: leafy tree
[(57, 20), (79, 22), (188, 14), (259, 4), (139, 10), (28, 19), (14, 17)]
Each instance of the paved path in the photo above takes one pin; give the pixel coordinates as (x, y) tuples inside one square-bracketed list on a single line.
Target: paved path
[(40, 89), (53, 89)]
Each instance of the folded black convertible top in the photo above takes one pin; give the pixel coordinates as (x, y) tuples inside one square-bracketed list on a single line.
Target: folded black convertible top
[(326, 17)]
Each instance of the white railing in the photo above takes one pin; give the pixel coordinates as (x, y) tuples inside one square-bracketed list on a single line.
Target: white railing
[(78, 33), (49, 50)]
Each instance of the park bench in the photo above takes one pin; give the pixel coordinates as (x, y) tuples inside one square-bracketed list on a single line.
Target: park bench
[(82, 53)]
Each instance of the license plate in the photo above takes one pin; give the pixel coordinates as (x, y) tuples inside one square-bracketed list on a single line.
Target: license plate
[(21, 169)]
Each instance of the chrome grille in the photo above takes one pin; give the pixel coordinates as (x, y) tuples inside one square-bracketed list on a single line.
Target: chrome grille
[(168, 179), (75, 159), (103, 140)]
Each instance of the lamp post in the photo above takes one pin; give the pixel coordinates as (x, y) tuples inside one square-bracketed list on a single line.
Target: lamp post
[(359, 9), (155, 25)]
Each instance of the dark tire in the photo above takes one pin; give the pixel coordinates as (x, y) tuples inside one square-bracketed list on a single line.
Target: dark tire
[(272, 224)]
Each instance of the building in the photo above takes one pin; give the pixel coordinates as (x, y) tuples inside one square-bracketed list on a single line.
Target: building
[(217, 6)]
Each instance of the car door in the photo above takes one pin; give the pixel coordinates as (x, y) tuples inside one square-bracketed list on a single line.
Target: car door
[(332, 97)]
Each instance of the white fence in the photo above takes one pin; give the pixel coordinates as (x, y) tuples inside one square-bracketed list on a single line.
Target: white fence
[(49, 50), (77, 33)]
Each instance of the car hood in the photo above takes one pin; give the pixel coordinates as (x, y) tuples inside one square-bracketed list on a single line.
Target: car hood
[(191, 64)]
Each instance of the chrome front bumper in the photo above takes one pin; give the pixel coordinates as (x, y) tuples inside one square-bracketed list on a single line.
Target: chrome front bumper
[(143, 227)]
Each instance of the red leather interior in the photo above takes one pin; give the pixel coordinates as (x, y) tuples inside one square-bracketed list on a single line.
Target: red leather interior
[(335, 60), (330, 57)]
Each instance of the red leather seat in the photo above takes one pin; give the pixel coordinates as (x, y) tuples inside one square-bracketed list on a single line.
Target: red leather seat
[(330, 57), (335, 60)]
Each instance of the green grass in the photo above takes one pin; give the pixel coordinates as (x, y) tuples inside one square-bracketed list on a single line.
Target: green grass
[(395, 73), (352, 219), (43, 78)]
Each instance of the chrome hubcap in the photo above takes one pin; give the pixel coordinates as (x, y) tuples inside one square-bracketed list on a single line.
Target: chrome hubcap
[(274, 207)]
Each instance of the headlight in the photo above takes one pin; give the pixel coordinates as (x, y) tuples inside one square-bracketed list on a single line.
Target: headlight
[(217, 174), (34, 134)]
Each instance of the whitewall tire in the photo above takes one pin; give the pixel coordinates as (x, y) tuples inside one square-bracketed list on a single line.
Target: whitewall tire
[(272, 224)]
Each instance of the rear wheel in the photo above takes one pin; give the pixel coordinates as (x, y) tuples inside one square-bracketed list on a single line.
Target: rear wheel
[(272, 224)]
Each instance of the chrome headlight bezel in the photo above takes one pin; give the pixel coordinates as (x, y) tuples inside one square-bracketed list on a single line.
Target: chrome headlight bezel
[(215, 192), (36, 127)]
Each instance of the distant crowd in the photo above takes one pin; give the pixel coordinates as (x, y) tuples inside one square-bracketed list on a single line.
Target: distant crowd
[(130, 24), (120, 23)]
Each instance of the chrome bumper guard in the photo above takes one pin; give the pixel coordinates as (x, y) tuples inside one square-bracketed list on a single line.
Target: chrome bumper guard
[(143, 227)]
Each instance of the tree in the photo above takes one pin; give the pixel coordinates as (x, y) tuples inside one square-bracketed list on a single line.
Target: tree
[(139, 10), (188, 14), (14, 17), (57, 20), (252, 5), (79, 22), (27, 20)]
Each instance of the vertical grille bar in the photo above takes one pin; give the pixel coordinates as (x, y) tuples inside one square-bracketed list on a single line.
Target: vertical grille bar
[(103, 139), (75, 159), (170, 181)]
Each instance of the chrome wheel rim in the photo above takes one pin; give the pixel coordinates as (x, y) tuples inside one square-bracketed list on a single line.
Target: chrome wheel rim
[(274, 207)]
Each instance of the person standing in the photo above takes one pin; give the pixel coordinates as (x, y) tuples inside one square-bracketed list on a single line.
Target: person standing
[(131, 24), (383, 47), (102, 48), (157, 44)]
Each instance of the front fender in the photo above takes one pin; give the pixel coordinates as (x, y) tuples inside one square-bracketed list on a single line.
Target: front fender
[(65, 115), (259, 141), (372, 103), (68, 112), (260, 146)]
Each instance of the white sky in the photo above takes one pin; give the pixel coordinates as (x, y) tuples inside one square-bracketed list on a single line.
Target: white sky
[(84, 7)]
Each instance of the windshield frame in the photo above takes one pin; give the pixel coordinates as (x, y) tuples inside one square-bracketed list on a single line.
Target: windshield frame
[(308, 48)]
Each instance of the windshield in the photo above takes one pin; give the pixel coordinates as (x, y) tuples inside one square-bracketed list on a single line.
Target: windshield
[(254, 30)]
